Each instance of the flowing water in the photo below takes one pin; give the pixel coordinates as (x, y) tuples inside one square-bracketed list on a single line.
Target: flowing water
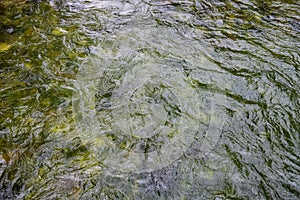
[(145, 99)]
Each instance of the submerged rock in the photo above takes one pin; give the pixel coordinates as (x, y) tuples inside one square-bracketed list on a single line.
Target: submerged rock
[(58, 32), (4, 46)]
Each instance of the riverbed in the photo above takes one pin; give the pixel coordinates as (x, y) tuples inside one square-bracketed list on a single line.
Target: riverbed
[(145, 99)]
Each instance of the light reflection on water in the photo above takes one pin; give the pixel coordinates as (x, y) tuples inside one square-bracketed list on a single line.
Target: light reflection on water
[(241, 55)]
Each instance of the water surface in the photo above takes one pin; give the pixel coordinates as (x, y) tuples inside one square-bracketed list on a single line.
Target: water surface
[(149, 99)]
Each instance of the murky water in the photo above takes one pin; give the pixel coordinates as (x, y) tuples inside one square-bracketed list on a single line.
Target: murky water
[(149, 99)]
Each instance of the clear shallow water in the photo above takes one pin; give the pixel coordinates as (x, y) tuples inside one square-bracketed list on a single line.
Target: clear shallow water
[(216, 82)]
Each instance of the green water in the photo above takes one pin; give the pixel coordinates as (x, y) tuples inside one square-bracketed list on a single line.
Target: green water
[(149, 99)]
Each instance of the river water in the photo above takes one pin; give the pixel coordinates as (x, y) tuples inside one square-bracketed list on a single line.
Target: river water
[(144, 99)]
